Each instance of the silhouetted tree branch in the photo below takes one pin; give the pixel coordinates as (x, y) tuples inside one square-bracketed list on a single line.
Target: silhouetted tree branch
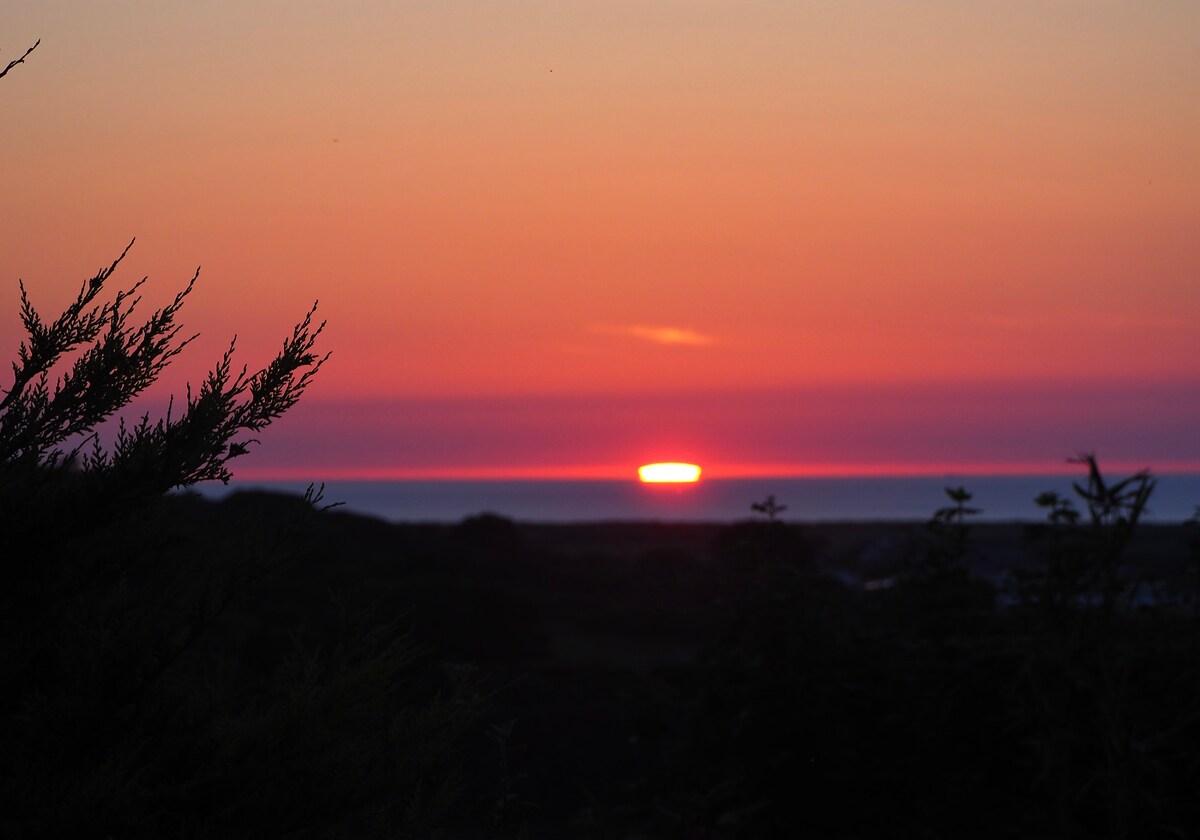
[(20, 60), (115, 361)]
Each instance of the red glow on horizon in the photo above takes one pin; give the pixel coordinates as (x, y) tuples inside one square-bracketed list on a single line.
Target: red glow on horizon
[(609, 472)]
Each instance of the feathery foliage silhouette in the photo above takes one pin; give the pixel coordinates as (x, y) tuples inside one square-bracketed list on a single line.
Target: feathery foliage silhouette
[(115, 361), (142, 698)]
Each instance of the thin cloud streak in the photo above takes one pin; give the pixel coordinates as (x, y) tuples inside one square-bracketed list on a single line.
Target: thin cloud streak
[(675, 336)]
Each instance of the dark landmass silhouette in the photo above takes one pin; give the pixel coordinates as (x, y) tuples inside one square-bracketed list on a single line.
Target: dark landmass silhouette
[(753, 679)]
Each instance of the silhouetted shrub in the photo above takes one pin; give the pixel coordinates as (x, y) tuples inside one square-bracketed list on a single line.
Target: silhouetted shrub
[(140, 698)]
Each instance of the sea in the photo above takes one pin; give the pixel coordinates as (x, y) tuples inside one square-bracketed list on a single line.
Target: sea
[(1176, 497)]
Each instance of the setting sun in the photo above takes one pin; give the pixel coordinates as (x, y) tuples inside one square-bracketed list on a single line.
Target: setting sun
[(669, 473)]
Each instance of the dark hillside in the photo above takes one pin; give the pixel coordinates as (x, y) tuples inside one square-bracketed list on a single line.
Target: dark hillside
[(624, 679), (754, 679)]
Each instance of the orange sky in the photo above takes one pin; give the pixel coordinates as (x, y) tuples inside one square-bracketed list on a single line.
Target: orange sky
[(599, 202)]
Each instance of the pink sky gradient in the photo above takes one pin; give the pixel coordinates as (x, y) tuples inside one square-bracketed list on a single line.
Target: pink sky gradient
[(827, 430), (569, 238)]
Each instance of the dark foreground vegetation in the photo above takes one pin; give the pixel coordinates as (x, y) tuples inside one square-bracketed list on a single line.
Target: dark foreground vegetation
[(262, 669)]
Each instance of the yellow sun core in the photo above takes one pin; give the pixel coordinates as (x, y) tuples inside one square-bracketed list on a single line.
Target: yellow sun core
[(669, 473)]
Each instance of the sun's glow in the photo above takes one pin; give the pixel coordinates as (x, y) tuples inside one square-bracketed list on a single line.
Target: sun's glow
[(671, 473)]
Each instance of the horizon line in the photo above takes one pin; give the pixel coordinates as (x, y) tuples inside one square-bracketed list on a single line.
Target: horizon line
[(712, 472)]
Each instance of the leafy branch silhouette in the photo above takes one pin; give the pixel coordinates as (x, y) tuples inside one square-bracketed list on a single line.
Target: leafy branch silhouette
[(769, 508), (115, 361)]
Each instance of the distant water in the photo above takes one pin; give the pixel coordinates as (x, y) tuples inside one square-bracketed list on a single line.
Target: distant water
[(1002, 498)]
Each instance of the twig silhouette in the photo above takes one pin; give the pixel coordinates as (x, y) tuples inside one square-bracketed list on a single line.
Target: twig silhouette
[(20, 60)]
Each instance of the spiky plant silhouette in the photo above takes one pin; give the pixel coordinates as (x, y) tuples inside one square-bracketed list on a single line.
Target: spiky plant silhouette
[(1086, 654), (129, 708)]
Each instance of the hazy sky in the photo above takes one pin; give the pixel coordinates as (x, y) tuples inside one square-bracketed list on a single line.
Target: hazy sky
[(571, 236)]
